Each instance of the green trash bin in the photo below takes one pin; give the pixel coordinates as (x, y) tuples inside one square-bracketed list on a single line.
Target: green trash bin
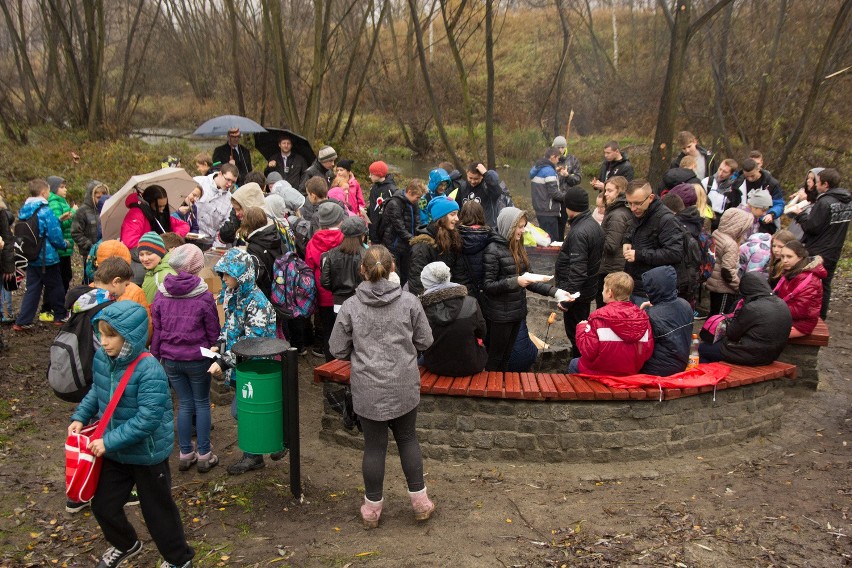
[(260, 408)]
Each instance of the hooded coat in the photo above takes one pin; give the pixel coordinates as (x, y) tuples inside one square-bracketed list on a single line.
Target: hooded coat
[(249, 195), (248, 313), (617, 221), (458, 329), (381, 329), (733, 226), (504, 300), (136, 222), (141, 430), (49, 231), (474, 241), (826, 224), (87, 220), (60, 206), (758, 331), (578, 263), (487, 193), (616, 340), (323, 241), (544, 187), (424, 250), (805, 303), (185, 318), (380, 192), (671, 321)]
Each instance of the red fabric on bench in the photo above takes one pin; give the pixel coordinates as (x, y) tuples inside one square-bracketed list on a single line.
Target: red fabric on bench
[(703, 375)]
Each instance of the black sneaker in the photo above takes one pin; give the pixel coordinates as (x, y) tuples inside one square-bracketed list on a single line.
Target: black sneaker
[(275, 456), (317, 352), (76, 506), (133, 499), (167, 564), (113, 557), (247, 463)]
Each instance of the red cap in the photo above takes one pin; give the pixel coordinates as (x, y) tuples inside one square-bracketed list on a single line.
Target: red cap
[(379, 169)]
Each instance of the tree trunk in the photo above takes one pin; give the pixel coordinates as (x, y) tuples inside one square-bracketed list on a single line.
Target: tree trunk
[(489, 88), (614, 36), (451, 25), (236, 60), (816, 83), (766, 77)]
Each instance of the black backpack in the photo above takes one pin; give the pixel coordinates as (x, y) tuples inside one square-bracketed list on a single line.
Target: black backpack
[(28, 237), (69, 371)]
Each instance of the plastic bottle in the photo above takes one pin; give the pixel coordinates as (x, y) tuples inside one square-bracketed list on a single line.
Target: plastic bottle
[(693, 353)]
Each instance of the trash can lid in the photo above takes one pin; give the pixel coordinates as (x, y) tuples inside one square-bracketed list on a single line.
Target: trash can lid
[(260, 347)]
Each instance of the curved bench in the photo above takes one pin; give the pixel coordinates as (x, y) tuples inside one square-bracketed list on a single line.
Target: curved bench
[(494, 415), (804, 352)]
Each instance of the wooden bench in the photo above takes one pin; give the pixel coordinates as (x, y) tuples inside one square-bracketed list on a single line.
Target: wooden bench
[(804, 353), (558, 386)]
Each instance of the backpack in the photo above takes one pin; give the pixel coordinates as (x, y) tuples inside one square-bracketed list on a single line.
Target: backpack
[(301, 229), (294, 290), (505, 199), (28, 237), (708, 256), (687, 271), (69, 370)]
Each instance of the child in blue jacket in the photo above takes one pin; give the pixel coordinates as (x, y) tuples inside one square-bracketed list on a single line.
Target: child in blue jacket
[(136, 445)]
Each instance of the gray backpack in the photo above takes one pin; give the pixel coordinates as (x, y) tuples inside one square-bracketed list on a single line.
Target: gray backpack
[(69, 371)]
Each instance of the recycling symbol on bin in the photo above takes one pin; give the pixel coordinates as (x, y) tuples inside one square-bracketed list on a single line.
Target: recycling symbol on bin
[(248, 391)]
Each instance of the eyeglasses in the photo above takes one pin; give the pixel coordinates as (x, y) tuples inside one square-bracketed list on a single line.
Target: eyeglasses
[(230, 180), (635, 204)]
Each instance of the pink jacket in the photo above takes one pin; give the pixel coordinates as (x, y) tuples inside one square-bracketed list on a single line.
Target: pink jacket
[(135, 224), (617, 340), (355, 200), (323, 241)]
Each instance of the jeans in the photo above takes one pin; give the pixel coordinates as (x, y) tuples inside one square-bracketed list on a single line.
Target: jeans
[(191, 382), (550, 225), (376, 449), (37, 278), (65, 273), (830, 266), (574, 366), (162, 517), (328, 318), (7, 310)]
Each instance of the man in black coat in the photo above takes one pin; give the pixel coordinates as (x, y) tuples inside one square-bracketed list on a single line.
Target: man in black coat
[(232, 152), (825, 226), (615, 164), (578, 262), (655, 239), (290, 165)]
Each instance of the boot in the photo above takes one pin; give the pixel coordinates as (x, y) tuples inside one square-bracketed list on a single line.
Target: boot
[(423, 507), (247, 463), (370, 513), (187, 460), (207, 461)]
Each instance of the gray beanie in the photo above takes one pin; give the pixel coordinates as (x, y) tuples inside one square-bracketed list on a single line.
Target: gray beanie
[(434, 274), (760, 198), (560, 142), (330, 214), (326, 153), (353, 226), (54, 182), (292, 197), (273, 177), (506, 219)]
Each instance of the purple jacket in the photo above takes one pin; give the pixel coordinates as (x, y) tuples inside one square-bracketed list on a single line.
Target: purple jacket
[(184, 317)]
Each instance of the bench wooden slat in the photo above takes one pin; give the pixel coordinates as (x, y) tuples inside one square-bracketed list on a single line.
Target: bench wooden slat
[(602, 392), (530, 386), (460, 385), (442, 385), (326, 370), (478, 384), (513, 385), (637, 394), (563, 386), (819, 337), (581, 386), (494, 387), (545, 383), (427, 379), (343, 373)]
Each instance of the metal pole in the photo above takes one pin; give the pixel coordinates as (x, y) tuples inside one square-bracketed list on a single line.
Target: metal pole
[(290, 378)]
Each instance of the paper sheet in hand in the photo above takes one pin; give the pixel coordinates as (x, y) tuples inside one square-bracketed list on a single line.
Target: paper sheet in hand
[(537, 277), (209, 354)]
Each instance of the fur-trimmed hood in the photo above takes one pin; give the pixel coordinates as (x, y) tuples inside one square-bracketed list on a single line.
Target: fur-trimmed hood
[(442, 294)]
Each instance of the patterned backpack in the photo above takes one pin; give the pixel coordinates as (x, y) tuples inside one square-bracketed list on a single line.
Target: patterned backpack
[(708, 256), (294, 290)]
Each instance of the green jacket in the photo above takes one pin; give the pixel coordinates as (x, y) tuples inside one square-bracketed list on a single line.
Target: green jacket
[(60, 206), (155, 277)]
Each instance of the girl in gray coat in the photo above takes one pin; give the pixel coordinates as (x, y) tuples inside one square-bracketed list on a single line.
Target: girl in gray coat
[(381, 329)]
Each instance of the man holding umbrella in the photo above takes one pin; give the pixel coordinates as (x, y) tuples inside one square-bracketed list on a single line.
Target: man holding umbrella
[(289, 164), (232, 152)]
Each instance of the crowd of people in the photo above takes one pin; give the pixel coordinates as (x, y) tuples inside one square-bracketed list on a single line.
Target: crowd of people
[(434, 273)]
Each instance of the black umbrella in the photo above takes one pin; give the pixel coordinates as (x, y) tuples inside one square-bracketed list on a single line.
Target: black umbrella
[(267, 144)]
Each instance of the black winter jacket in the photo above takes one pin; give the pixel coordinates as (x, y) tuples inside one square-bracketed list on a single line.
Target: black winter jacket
[(424, 250), (617, 221), (579, 258), (84, 226), (458, 329), (399, 222), (758, 332), (504, 300), (657, 238), (7, 255), (340, 273), (621, 167), (826, 224), (671, 321), (677, 176), (384, 189), (487, 193), (474, 241), (265, 246), (228, 231), (316, 170)]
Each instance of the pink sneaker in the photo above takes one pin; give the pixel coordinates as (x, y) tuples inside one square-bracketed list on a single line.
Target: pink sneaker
[(423, 507), (370, 513)]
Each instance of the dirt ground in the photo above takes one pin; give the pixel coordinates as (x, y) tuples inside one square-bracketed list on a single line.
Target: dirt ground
[(782, 500)]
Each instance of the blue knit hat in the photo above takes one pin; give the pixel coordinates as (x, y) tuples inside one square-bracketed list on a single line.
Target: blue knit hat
[(153, 243), (440, 206)]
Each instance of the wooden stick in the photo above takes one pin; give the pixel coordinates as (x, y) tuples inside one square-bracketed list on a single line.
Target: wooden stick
[(568, 127)]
